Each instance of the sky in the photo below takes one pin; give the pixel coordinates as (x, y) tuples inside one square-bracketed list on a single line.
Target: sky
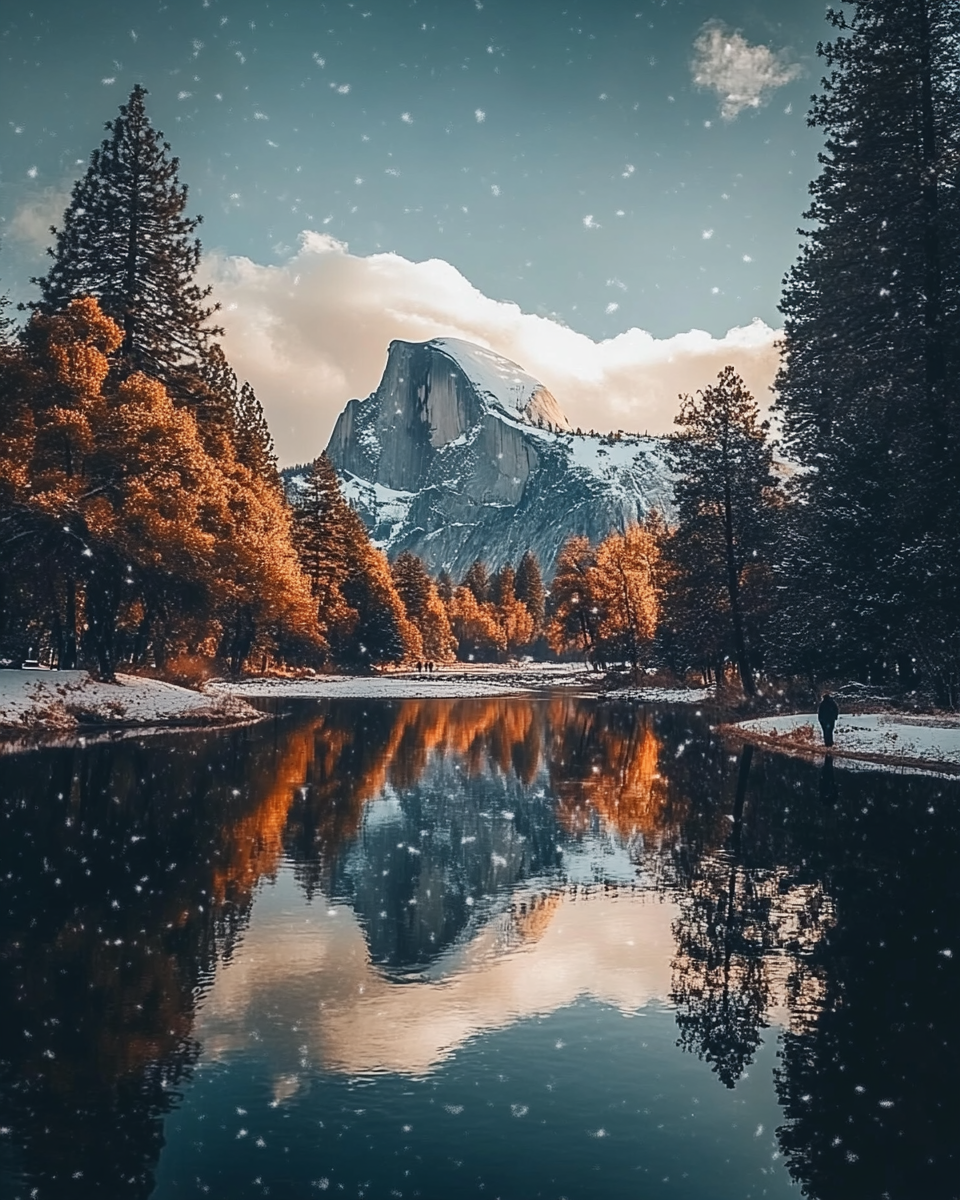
[(608, 193)]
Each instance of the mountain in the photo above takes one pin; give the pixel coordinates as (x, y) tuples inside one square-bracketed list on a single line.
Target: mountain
[(459, 454)]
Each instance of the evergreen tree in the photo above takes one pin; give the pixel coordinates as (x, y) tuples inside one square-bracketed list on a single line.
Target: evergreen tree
[(424, 608), (477, 580), (126, 240), (872, 350), (530, 590), (722, 462), (357, 603)]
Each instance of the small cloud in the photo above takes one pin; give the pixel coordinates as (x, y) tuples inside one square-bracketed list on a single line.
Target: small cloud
[(747, 258), (707, 234), (260, 116), (343, 88), (32, 220), (589, 222), (480, 115), (495, 189), (108, 79), (628, 170), (406, 118), (32, 173), (611, 307), (184, 95), (743, 76)]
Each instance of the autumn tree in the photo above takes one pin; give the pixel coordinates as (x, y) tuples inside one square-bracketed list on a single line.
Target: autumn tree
[(624, 588), (126, 240), (475, 626), (723, 486), (133, 532), (574, 621)]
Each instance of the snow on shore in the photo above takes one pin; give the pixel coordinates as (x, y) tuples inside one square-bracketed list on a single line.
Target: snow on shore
[(63, 701), (891, 738), (454, 682)]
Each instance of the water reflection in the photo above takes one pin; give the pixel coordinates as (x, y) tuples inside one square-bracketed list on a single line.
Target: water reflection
[(470, 864)]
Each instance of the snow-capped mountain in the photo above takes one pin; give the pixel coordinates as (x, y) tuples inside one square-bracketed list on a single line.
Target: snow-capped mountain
[(459, 454)]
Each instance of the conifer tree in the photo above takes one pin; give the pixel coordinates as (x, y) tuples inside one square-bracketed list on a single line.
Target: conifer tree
[(872, 352), (424, 607), (530, 590), (357, 602), (127, 241), (722, 462), (477, 579)]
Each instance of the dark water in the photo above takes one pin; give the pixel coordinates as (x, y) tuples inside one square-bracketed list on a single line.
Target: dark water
[(479, 948)]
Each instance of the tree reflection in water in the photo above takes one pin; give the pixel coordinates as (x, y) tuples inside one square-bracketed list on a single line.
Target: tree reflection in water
[(127, 873)]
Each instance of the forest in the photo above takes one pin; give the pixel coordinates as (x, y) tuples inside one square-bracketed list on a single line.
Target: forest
[(144, 523)]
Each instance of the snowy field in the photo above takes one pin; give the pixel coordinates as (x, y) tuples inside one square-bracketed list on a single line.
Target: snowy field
[(62, 701), (447, 683), (879, 737)]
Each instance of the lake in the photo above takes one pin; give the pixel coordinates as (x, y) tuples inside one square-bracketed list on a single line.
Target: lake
[(485, 948)]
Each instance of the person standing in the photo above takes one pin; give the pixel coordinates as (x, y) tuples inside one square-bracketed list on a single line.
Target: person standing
[(827, 715)]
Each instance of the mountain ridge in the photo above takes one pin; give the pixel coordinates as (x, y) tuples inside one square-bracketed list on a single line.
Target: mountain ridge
[(460, 454)]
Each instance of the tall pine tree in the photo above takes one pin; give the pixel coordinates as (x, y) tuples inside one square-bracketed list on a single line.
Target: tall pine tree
[(872, 352), (722, 462), (127, 241)]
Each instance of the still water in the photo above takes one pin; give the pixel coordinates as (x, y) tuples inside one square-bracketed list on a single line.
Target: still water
[(476, 948)]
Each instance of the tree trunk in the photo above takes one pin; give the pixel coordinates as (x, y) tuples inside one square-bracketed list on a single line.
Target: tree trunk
[(733, 588)]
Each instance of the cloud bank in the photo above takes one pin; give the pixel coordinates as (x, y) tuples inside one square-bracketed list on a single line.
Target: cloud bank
[(743, 76), (313, 332)]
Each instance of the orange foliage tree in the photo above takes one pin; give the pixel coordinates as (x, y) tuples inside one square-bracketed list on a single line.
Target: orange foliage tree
[(138, 533)]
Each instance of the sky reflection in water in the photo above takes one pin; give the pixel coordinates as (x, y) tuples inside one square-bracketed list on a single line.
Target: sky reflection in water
[(451, 947)]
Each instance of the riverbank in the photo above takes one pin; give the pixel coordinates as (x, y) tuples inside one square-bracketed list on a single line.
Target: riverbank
[(893, 740), (452, 681), (38, 703)]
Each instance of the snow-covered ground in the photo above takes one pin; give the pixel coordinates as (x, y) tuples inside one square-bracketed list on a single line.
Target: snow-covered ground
[(881, 737), (662, 695), (448, 682), (62, 701)]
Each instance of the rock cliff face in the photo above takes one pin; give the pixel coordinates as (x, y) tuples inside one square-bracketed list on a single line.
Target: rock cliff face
[(459, 454)]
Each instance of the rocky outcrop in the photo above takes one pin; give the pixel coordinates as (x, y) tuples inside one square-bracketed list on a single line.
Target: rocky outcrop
[(459, 454)]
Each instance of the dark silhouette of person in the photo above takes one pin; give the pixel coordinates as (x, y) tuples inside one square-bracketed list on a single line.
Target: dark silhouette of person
[(419, 667), (827, 715)]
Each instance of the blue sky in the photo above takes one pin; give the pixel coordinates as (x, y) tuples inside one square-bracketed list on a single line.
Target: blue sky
[(614, 166)]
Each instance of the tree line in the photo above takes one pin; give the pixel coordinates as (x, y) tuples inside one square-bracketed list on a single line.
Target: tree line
[(142, 515)]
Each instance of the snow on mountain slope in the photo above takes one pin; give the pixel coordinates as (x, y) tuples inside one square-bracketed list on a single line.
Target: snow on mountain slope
[(500, 382), (460, 454)]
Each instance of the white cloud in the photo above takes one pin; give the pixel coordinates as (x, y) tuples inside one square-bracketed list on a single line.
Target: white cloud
[(743, 76), (32, 220), (313, 332)]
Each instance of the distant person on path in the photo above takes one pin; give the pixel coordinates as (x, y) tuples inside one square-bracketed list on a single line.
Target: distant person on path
[(827, 715)]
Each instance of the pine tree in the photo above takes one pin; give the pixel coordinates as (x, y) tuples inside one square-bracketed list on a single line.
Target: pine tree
[(722, 461), (126, 240), (424, 608), (477, 579), (530, 590), (872, 350)]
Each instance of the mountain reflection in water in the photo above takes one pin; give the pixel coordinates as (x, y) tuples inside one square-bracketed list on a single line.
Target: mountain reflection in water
[(470, 863)]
